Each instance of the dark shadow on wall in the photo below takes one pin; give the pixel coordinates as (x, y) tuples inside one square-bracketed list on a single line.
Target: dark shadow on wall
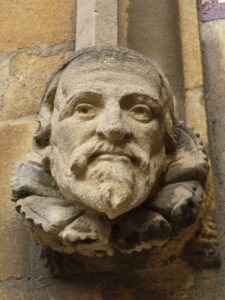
[(153, 30)]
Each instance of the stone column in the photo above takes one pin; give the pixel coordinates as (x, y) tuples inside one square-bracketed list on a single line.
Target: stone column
[(97, 23), (192, 67), (213, 43)]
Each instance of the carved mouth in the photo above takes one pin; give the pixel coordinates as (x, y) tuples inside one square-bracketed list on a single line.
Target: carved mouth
[(113, 156)]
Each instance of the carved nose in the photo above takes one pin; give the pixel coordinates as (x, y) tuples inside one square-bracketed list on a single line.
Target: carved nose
[(113, 129)]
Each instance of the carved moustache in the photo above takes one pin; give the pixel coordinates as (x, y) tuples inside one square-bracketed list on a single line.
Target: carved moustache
[(89, 151)]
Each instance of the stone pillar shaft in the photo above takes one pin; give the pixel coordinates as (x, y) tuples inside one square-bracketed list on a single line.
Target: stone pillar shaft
[(97, 23), (192, 67)]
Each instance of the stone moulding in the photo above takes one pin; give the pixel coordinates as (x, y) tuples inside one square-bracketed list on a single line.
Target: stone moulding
[(113, 170)]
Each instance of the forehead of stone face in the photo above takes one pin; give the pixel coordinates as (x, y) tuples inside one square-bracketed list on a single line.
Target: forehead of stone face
[(127, 75)]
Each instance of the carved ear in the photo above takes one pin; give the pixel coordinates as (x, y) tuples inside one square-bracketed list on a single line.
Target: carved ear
[(170, 136), (42, 135)]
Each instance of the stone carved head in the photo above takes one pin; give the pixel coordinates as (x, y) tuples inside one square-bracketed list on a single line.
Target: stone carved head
[(113, 168)]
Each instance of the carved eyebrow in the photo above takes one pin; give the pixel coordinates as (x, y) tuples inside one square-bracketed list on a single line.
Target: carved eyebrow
[(141, 95), (69, 106), (135, 98)]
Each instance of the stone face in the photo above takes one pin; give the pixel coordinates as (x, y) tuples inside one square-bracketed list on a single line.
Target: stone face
[(26, 23), (114, 169), (16, 140), (24, 78), (96, 23)]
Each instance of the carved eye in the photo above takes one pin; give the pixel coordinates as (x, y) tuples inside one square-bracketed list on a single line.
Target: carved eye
[(142, 113), (86, 110)]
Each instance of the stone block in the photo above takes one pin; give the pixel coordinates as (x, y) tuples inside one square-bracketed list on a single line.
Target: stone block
[(24, 78), (190, 44), (96, 23), (26, 23), (16, 140)]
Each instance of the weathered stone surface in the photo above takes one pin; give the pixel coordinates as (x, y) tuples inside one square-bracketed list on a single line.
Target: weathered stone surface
[(14, 294), (25, 23), (190, 44), (16, 140), (85, 28), (24, 78), (214, 61), (96, 23), (177, 281), (122, 22), (195, 111), (204, 286), (115, 170), (166, 282)]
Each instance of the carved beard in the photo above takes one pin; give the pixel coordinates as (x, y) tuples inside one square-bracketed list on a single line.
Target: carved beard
[(111, 186), (114, 186)]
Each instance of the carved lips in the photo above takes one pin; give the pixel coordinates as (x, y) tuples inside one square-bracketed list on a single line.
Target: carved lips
[(115, 156)]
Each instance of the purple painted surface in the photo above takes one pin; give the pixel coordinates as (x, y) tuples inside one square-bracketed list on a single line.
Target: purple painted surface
[(211, 11)]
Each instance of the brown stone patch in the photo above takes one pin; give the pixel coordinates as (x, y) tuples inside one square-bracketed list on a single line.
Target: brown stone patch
[(27, 23), (15, 142)]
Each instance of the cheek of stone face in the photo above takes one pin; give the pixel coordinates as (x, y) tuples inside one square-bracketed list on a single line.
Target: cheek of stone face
[(59, 170), (66, 136), (149, 136)]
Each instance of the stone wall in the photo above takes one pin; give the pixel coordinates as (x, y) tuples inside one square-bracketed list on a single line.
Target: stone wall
[(35, 37)]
